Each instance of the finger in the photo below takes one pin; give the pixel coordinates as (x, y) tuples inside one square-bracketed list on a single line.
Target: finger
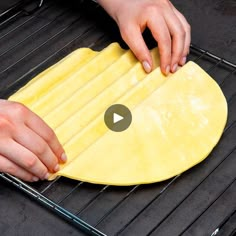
[(34, 143), (161, 34), (9, 167), (132, 35), (23, 115), (37, 125), (178, 38), (187, 29), (23, 158)]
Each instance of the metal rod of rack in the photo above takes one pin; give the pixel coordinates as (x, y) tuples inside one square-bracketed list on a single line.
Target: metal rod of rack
[(152, 231), (23, 23), (92, 200), (221, 225), (18, 9), (29, 36), (51, 205), (212, 55), (15, 7), (38, 47)]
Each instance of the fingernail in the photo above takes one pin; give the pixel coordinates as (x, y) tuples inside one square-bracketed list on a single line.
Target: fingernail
[(56, 168), (146, 66), (47, 176), (167, 70), (35, 179), (183, 61), (63, 157), (174, 68)]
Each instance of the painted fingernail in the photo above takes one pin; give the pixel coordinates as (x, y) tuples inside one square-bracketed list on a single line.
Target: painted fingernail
[(63, 157), (174, 68), (183, 61), (35, 179), (146, 66), (167, 70), (56, 168), (47, 176)]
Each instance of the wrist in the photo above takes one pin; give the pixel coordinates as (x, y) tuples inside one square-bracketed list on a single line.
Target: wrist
[(110, 6)]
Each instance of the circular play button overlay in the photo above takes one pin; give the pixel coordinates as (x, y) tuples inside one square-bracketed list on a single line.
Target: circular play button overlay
[(117, 117)]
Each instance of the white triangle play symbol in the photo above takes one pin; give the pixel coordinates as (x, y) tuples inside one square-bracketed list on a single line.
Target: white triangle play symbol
[(117, 118)]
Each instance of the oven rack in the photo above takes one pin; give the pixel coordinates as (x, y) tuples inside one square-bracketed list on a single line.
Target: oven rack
[(222, 70)]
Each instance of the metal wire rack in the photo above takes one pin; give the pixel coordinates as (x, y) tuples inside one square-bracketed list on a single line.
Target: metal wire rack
[(108, 210)]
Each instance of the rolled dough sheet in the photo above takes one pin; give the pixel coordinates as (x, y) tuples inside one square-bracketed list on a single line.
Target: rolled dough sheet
[(176, 120)]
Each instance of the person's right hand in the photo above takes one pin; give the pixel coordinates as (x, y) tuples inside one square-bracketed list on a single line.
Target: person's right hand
[(29, 149), (167, 25)]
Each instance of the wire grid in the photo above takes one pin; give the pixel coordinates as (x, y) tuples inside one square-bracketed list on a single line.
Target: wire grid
[(10, 12), (75, 200)]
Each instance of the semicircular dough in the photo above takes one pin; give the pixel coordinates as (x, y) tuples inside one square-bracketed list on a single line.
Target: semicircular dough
[(176, 120)]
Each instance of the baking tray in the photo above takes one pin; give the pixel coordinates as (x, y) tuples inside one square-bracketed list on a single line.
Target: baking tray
[(179, 206)]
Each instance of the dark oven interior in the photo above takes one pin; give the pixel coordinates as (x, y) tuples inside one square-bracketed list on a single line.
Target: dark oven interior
[(201, 201)]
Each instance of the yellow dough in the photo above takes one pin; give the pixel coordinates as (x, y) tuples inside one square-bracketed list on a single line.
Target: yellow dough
[(176, 120)]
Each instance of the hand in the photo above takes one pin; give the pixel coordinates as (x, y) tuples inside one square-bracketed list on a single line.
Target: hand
[(168, 26), (29, 149)]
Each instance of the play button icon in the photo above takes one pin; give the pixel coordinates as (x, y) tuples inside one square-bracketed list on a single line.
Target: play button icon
[(117, 117)]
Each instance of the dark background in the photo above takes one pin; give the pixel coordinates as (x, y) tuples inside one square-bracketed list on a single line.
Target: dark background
[(213, 28), (213, 25)]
